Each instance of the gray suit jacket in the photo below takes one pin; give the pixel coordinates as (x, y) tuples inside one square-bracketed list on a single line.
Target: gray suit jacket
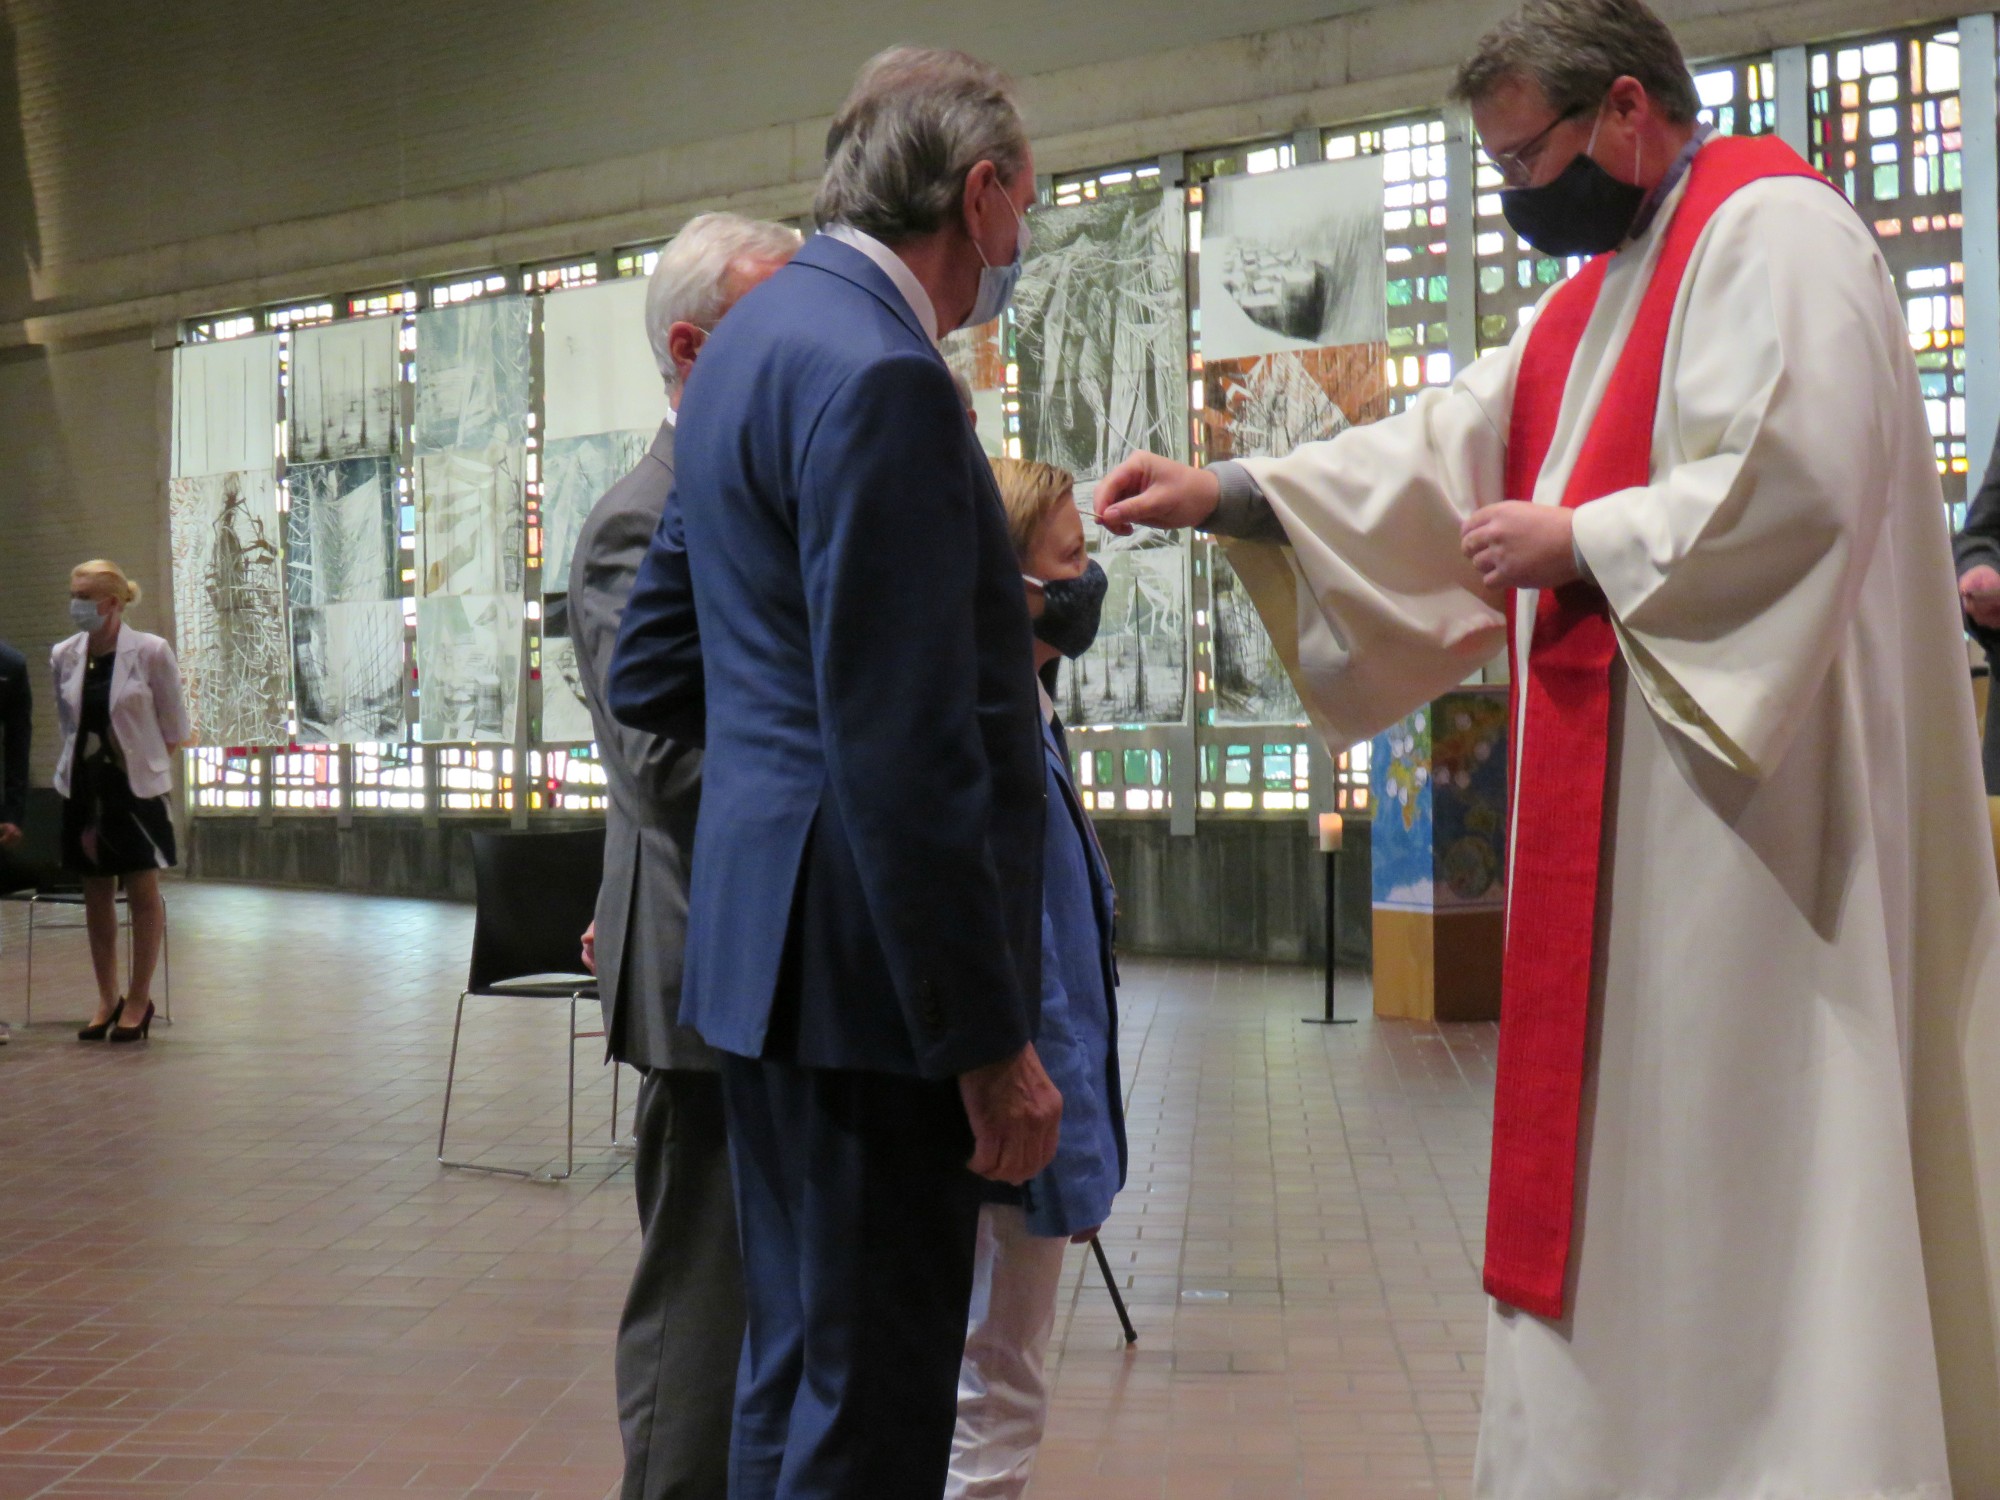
[(655, 789)]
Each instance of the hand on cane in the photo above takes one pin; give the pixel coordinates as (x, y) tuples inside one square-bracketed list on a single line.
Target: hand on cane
[(1015, 1112)]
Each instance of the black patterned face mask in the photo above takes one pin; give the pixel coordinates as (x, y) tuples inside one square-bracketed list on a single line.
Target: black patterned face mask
[(1071, 608)]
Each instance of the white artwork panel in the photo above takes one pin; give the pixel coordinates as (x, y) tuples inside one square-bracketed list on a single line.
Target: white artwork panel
[(576, 472), (229, 615), (225, 406), (565, 711), (470, 518), (343, 396), (598, 369), (1136, 672), (1101, 333), (347, 663), (340, 533), (472, 375), (1294, 260), (468, 669)]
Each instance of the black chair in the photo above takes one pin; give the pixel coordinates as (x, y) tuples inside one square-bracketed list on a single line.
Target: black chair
[(32, 875), (535, 893)]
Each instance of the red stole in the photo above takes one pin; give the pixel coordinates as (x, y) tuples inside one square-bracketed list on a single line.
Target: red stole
[(1560, 760)]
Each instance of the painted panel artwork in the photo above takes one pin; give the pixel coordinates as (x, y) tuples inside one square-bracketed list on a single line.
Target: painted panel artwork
[(565, 712), (1136, 672), (576, 471), (469, 678), (977, 356), (1440, 784), (472, 375), (470, 522), (340, 533), (226, 406), (344, 392), (229, 617), (1101, 333), (598, 369), (347, 662), (1251, 683), (1294, 260)]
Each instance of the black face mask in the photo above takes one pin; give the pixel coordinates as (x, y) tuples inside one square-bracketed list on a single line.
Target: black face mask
[(1071, 608), (1584, 211)]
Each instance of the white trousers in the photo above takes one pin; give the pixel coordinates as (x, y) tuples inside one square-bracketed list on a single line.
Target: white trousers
[(1003, 1397)]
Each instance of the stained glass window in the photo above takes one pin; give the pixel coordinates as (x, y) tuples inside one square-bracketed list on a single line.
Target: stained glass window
[(560, 276), (388, 778), (1413, 223), (1884, 125), (566, 780), (225, 780), (637, 260), (306, 778), (1740, 96), (474, 780)]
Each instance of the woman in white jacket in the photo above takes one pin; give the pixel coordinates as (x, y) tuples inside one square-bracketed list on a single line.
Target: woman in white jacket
[(119, 710)]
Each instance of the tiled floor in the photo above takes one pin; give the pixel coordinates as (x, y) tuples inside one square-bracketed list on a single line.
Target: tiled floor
[(231, 1268)]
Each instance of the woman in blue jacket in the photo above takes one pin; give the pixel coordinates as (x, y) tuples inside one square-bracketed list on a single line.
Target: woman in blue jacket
[(1002, 1393)]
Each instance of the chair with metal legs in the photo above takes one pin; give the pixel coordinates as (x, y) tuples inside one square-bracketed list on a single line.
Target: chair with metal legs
[(37, 880), (534, 895)]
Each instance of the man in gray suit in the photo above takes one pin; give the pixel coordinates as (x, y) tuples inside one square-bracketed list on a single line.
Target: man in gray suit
[(682, 1328)]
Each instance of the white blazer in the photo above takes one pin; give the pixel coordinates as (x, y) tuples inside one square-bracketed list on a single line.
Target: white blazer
[(147, 712)]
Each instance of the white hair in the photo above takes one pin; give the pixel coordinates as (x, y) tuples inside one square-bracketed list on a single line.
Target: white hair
[(690, 284)]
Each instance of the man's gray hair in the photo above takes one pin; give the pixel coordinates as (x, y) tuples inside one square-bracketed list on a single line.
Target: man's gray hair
[(1576, 49), (918, 120), (691, 281)]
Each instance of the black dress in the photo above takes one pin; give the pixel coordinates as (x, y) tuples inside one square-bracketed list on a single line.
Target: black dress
[(106, 829)]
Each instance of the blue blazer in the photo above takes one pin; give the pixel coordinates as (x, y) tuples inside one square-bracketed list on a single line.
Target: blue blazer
[(832, 605), (1078, 1042)]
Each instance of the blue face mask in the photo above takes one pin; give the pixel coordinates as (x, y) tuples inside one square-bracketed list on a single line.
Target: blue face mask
[(997, 283)]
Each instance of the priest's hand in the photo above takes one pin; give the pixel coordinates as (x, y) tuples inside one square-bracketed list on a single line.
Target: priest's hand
[(1147, 490), (1979, 592), (1516, 545)]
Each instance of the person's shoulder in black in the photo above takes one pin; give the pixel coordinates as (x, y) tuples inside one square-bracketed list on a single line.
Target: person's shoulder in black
[(16, 726)]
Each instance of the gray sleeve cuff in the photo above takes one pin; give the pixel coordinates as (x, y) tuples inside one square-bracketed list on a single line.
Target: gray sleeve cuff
[(1241, 511)]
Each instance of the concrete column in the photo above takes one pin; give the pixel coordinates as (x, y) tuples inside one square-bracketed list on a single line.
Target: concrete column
[(1794, 96), (1980, 167), (1461, 316)]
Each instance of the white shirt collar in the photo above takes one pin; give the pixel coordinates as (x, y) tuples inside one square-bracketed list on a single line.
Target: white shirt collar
[(673, 416), (892, 266), (1048, 703)]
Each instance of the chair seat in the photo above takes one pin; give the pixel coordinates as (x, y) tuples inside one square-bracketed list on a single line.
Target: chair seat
[(542, 986)]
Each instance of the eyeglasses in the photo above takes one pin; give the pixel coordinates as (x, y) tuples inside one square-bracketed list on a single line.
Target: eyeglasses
[(1517, 166)]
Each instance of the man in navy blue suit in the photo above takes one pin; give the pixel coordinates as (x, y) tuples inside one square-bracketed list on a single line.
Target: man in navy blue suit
[(832, 605)]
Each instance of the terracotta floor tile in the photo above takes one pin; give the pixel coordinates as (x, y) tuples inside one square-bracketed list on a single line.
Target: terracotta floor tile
[(231, 1269)]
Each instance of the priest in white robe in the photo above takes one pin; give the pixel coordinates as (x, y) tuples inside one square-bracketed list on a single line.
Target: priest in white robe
[(1783, 1265)]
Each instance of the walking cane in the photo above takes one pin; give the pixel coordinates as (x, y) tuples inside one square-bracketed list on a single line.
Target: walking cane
[(1111, 1286)]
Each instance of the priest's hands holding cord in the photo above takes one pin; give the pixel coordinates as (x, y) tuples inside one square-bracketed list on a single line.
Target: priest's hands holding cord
[(1517, 545), (1147, 490), (1979, 592)]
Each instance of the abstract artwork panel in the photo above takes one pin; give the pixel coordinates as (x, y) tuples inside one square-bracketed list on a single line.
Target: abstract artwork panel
[(598, 369), (1262, 408), (1101, 333), (226, 406), (472, 375), (576, 472), (1251, 683), (1136, 672), (469, 522), (347, 662), (343, 397), (229, 616), (565, 712), (977, 357), (340, 533), (468, 669), (1294, 260)]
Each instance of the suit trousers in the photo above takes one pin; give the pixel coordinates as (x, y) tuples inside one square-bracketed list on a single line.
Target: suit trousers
[(857, 1216), (682, 1329)]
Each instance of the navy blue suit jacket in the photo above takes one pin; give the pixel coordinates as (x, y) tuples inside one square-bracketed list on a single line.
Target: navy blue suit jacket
[(832, 606)]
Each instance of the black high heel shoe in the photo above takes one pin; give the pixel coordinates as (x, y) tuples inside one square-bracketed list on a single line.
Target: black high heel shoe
[(103, 1028), (134, 1033)]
